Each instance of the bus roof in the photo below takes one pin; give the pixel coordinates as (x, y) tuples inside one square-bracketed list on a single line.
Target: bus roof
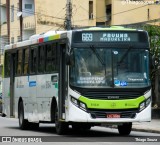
[(38, 38), (116, 28), (54, 35)]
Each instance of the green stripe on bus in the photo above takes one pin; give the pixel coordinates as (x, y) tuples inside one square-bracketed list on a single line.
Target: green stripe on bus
[(112, 104), (116, 28)]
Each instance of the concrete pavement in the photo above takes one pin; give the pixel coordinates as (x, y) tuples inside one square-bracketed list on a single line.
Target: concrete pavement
[(153, 126)]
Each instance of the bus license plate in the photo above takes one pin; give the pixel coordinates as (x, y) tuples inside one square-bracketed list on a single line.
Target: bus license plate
[(113, 116)]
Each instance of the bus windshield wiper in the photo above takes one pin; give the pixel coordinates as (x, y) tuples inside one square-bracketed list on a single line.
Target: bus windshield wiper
[(97, 55), (124, 55), (100, 59)]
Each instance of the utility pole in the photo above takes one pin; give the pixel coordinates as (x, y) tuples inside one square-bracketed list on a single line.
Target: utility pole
[(21, 20), (68, 23)]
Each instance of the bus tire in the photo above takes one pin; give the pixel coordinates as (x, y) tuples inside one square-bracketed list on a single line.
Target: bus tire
[(125, 128), (23, 123), (61, 127)]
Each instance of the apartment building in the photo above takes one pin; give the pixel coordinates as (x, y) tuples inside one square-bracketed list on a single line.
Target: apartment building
[(22, 18)]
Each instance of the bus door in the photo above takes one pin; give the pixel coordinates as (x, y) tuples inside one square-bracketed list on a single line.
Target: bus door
[(62, 92), (12, 83)]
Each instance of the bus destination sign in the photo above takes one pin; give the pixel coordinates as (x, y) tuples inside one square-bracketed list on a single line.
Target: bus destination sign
[(109, 37), (92, 36)]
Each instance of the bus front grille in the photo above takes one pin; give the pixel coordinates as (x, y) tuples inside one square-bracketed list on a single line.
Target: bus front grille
[(104, 113), (105, 95)]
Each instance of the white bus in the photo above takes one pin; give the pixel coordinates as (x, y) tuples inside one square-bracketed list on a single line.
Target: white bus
[(83, 78)]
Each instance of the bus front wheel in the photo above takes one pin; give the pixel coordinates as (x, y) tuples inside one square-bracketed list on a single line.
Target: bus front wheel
[(61, 127), (125, 128)]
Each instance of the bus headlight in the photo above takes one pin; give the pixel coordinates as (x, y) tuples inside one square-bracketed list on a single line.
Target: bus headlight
[(148, 101), (144, 104), (78, 103), (74, 101)]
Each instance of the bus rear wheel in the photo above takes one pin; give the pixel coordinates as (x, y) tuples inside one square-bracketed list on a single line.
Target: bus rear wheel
[(23, 123), (125, 128), (61, 127)]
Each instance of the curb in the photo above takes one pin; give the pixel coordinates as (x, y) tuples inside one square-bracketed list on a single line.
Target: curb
[(140, 129), (144, 130)]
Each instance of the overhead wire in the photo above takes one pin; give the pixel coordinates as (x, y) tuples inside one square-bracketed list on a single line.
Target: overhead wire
[(113, 14), (31, 12)]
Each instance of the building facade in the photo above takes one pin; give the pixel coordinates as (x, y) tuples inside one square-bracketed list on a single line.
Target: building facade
[(22, 18)]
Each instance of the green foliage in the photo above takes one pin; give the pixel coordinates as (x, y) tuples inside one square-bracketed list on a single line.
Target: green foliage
[(154, 38)]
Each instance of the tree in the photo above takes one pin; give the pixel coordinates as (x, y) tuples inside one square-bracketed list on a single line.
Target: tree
[(154, 38)]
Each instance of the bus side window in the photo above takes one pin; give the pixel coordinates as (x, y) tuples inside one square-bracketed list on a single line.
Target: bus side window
[(19, 63), (33, 58), (7, 65), (25, 61), (41, 59), (54, 58), (49, 58)]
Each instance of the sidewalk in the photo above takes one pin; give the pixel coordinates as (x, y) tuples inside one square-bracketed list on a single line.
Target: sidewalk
[(153, 126)]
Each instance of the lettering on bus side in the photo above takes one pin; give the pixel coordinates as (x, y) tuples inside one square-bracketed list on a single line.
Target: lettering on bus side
[(94, 104), (19, 84), (48, 84)]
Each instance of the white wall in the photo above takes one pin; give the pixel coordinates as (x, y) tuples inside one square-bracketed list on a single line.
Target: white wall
[(27, 34)]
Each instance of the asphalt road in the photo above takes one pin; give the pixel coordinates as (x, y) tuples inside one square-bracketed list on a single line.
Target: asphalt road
[(47, 134)]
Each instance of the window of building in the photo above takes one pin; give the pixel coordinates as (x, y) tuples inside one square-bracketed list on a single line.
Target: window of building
[(91, 10), (41, 59), (100, 23), (18, 38), (19, 64), (12, 40), (12, 13), (28, 6), (33, 58), (108, 12), (25, 61)]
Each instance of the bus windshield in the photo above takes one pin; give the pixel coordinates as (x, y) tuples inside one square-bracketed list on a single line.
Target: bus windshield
[(103, 67)]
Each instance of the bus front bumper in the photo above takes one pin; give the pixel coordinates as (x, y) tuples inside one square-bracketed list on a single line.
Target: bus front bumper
[(75, 114)]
